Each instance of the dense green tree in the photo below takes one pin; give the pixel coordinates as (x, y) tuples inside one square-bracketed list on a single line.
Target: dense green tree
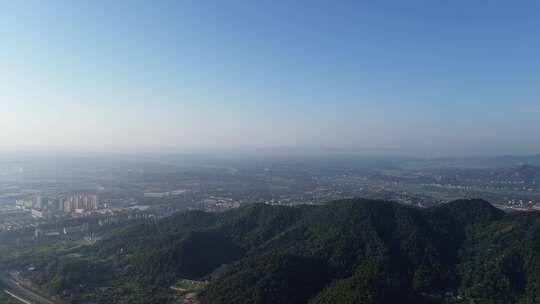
[(350, 251)]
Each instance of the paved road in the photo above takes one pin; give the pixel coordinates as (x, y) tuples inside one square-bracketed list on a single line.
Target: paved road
[(21, 293), (16, 297)]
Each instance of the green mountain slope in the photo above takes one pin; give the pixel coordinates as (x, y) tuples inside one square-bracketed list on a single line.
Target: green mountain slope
[(350, 251)]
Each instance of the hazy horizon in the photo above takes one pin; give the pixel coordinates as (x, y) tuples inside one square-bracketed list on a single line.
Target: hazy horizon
[(416, 78)]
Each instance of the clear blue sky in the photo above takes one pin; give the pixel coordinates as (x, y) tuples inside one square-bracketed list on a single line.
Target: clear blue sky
[(455, 77)]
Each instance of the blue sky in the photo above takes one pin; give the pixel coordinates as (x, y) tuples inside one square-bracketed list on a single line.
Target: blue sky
[(450, 77)]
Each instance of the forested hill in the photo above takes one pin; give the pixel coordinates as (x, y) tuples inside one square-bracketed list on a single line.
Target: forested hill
[(350, 251)]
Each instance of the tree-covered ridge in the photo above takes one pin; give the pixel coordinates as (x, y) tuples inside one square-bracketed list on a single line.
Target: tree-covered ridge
[(349, 251)]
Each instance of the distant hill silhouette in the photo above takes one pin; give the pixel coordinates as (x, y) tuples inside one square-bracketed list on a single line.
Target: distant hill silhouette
[(527, 174)]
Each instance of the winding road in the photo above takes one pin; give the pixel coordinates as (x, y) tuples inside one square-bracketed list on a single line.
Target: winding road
[(19, 292)]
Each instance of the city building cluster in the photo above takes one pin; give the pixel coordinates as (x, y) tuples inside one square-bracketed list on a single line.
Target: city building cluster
[(80, 203), (45, 207)]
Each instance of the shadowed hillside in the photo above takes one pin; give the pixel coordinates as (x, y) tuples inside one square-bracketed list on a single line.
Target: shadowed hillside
[(349, 251)]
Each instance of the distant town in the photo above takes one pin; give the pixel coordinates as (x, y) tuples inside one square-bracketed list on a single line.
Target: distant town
[(48, 207), (82, 201)]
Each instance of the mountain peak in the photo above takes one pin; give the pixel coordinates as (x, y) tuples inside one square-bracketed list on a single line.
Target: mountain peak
[(470, 211)]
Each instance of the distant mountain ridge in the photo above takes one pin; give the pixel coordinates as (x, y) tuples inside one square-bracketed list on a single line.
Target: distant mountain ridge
[(527, 174), (348, 251), (495, 162)]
